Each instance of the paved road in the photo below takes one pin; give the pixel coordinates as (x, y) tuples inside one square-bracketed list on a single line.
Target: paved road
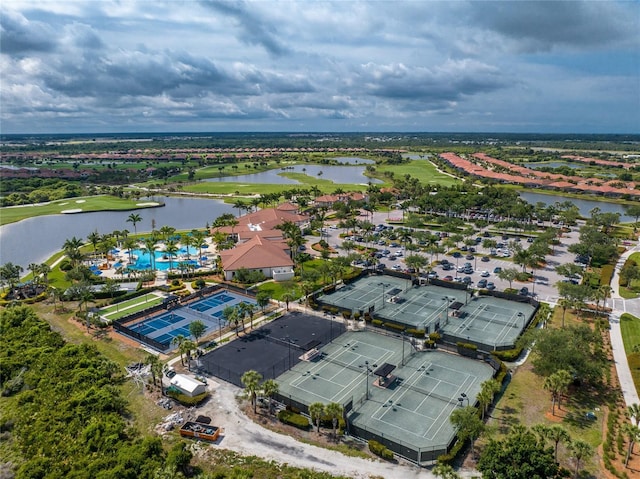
[(621, 306)]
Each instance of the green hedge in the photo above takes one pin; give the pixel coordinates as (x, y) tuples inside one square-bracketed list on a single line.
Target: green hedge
[(380, 450), (394, 326), (416, 333), (294, 419), (377, 322)]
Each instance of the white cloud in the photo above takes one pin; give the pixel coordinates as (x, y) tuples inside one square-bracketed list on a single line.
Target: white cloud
[(271, 65)]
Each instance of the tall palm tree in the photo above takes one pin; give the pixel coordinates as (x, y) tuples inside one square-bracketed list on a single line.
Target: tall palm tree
[(633, 412), (134, 218), (43, 270), (633, 435), (334, 411), (71, 248), (287, 297), (557, 384), (230, 315), (94, 238), (153, 361), (198, 241), (171, 249), (178, 341), (251, 382), (269, 389), (187, 346), (129, 244), (580, 450), (150, 247), (316, 411)]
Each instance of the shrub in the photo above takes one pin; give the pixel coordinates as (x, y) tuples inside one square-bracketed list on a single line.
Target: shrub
[(394, 326), (416, 333), (376, 322), (294, 419), (175, 282), (65, 265), (380, 450), (435, 337), (431, 344)]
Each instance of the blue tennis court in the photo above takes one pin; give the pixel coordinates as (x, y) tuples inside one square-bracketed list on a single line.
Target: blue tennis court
[(167, 325)]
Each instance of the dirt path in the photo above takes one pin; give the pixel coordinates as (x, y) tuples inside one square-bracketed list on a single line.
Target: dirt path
[(243, 435)]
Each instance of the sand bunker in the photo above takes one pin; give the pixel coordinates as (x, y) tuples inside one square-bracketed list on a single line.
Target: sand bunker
[(74, 210), (80, 201), (151, 203)]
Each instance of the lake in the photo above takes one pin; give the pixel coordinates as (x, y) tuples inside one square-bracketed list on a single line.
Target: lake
[(35, 239), (554, 164), (338, 174), (585, 206)]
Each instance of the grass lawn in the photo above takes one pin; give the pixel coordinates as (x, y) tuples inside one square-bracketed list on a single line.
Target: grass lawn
[(526, 402), (88, 203), (134, 305), (423, 170), (630, 328)]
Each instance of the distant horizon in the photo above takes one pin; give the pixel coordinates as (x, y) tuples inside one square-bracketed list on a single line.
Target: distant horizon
[(136, 134)]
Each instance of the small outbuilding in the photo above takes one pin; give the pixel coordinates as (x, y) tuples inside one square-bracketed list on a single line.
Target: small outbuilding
[(187, 385)]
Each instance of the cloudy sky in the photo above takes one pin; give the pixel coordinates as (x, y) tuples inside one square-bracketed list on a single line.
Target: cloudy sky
[(185, 65)]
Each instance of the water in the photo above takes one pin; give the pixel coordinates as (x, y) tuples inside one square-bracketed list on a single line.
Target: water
[(585, 206), (554, 164), (353, 160), (337, 174), (143, 259), (35, 239)]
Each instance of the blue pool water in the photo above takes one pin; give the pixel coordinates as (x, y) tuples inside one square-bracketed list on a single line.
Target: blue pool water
[(162, 260)]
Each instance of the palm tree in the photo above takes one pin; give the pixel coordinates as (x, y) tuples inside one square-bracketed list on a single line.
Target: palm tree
[(94, 238), (71, 248), (580, 450), (633, 434), (197, 329), (33, 267), (269, 389), (167, 232), (150, 247), (251, 382), (467, 423), (129, 244), (263, 298), (445, 471), (230, 315), (153, 361), (187, 346), (105, 246), (44, 269), (334, 411), (198, 240), (171, 248), (250, 309), (134, 218), (316, 411), (287, 297), (178, 341), (633, 412), (557, 384)]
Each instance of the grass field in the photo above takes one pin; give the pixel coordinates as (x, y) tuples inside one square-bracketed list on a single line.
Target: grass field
[(88, 203), (423, 170), (225, 188), (134, 305), (630, 327)]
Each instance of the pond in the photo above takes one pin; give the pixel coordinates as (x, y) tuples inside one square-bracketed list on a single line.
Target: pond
[(554, 164), (35, 239), (337, 174), (585, 206), (353, 160)]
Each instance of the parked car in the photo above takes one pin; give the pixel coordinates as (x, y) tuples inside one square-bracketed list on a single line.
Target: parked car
[(529, 240), (482, 283), (381, 266), (485, 259), (484, 274), (457, 254), (448, 278), (469, 256), (497, 270), (524, 291), (467, 280), (491, 286)]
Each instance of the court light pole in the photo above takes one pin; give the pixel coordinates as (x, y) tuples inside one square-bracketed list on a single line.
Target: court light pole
[(367, 371), (463, 397), (402, 337), (521, 315)]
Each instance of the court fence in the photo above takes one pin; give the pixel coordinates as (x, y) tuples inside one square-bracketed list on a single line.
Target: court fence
[(234, 377)]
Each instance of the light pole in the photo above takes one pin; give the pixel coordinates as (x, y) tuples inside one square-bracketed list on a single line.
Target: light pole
[(383, 286), (521, 315), (444, 310), (402, 337), (462, 398), (367, 371)]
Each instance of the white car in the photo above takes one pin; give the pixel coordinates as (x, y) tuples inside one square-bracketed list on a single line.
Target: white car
[(396, 267), (484, 274)]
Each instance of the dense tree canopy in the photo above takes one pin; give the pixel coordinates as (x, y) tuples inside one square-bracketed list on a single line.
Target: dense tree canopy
[(519, 456)]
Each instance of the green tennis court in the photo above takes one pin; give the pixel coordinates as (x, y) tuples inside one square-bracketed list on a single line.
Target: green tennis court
[(130, 306), (393, 393)]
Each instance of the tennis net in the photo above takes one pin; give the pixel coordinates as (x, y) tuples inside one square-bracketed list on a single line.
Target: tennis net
[(343, 364), (415, 388)]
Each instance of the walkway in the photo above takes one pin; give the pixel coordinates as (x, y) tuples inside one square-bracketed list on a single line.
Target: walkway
[(620, 306)]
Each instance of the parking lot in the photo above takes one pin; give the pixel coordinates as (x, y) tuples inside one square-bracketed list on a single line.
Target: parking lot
[(482, 264)]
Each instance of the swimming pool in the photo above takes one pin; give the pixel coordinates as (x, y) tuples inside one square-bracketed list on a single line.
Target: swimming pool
[(162, 262)]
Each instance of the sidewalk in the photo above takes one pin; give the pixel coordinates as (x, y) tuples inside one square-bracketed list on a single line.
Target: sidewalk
[(627, 385)]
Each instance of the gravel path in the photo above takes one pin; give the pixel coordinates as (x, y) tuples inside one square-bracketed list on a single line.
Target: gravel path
[(243, 435)]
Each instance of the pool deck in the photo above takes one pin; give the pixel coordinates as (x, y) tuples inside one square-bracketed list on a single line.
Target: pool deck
[(123, 257)]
